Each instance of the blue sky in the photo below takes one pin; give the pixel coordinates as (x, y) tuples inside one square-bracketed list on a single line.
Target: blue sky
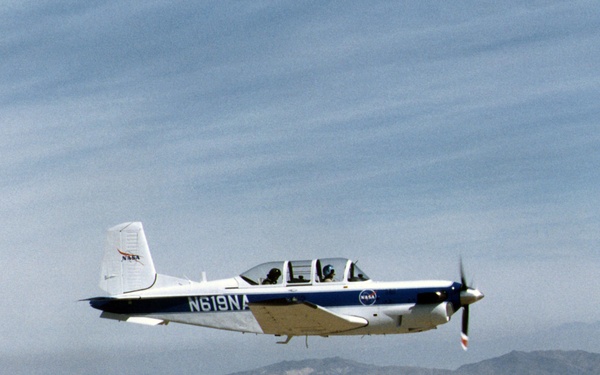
[(402, 135)]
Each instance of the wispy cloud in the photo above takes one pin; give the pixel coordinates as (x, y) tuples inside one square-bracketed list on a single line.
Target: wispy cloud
[(395, 134)]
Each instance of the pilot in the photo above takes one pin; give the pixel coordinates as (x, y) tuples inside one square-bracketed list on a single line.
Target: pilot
[(272, 277), (328, 273)]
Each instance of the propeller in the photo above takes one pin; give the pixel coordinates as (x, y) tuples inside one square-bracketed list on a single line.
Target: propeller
[(468, 295)]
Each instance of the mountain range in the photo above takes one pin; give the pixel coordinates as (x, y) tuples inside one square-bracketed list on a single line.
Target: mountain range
[(551, 362)]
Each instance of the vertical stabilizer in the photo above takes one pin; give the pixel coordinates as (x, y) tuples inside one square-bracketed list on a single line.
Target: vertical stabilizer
[(127, 265)]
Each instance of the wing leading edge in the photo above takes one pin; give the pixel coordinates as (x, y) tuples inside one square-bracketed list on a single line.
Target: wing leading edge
[(281, 317)]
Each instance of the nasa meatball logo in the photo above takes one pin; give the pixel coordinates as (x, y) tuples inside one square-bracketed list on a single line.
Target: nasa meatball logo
[(367, 297)]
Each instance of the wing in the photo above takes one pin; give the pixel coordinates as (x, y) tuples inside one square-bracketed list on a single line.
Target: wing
[(280, 317)]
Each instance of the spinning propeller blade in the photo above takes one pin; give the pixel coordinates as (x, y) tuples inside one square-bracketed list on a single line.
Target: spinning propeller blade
[(464, 334), (463, 279), (468, 296)]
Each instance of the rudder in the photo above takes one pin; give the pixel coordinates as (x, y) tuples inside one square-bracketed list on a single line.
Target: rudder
[(127, 265)]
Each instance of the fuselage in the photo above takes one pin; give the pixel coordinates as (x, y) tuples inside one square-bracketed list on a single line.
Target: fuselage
[(388, 307)]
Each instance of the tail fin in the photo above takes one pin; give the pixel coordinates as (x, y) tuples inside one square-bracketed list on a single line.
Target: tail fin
[(127, 265)]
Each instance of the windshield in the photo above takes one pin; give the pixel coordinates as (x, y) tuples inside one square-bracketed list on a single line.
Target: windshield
[(356, 274)]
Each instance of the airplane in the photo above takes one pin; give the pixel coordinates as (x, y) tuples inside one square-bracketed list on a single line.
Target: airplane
[(319, 297)]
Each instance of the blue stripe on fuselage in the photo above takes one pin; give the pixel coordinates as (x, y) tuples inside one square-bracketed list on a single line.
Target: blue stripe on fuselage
[(239, 301)]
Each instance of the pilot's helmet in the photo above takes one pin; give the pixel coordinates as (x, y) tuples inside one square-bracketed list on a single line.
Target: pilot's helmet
[(328, 270), (274, 273)]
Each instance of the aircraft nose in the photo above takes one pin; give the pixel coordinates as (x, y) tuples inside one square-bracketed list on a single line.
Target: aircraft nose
[(470, 296)]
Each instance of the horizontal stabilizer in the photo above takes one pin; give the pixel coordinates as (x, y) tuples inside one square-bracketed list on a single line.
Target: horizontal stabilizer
[(133, 319)]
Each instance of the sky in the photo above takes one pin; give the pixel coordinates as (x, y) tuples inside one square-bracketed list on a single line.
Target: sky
[(403, 135)]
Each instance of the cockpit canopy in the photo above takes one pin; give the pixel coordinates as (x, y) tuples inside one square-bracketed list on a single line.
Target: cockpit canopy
[(304, 272)]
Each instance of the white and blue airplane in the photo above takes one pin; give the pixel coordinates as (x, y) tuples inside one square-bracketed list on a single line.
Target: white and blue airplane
[(322, 297)]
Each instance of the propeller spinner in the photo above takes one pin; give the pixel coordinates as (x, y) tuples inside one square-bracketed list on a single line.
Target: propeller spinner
[(468, 296)]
